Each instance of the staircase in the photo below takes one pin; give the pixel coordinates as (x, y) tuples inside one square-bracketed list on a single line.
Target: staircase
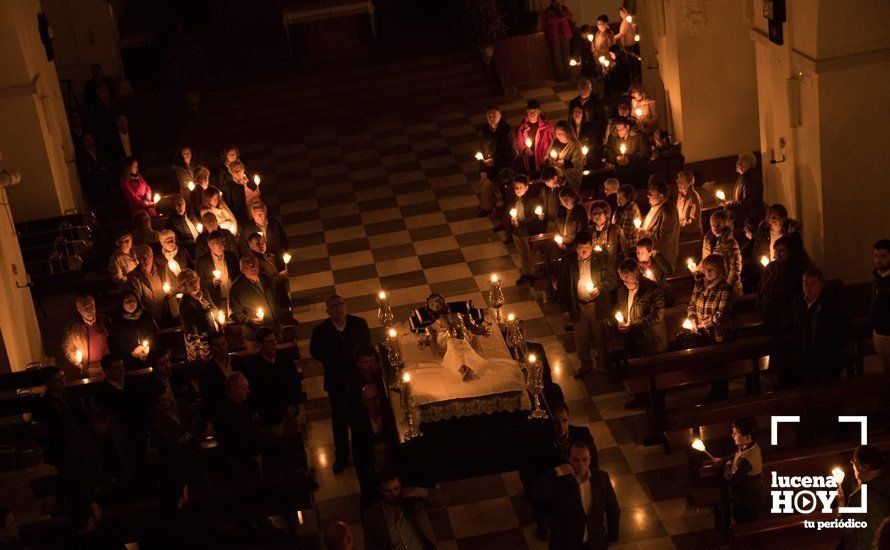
[(344, 96)]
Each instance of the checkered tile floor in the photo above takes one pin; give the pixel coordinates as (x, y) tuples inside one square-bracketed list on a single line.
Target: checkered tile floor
[(393, 206)]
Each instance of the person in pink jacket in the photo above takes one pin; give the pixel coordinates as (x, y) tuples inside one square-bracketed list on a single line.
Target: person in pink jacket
[(534, 138), (136, 190)]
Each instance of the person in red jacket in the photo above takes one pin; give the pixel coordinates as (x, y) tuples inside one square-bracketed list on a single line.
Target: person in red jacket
[(533, 139), (135, 189), (558, 27)]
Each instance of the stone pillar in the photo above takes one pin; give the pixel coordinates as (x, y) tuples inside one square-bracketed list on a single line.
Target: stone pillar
[(820, 110), (35, 139), (702, 66)]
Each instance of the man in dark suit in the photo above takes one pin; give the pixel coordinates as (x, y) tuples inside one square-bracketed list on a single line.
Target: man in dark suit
[(583, 290), (276, 386), (821, 327), (747, 195), (631, 165), (367, 372), (332, 344), (586, 512), (210, 227), (147, 282), (641, 305), (268, 227), (253, 292), (218, 259), (213, 374), (404, 506), (590, 105), (566, 434), (183, 226), (237, 425), (496, 142), (374, 421), (662, 223)]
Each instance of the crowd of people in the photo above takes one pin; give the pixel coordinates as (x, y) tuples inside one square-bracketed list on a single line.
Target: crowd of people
[(216, 275)]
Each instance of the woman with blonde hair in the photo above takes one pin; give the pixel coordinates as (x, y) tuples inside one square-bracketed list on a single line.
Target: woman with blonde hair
[(212, 201)]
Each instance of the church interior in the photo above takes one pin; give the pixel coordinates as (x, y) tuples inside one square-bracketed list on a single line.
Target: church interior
[(418, 274)]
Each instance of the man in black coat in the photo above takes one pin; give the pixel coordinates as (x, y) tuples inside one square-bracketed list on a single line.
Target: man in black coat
[(747, 195), (237, 425), (590, 105), (585, 508), (256, 301), (496, 142), (583, 290), (224, 262), (821, 327), (268, 227), (182, 224), (332, 344), (276, 385), (213, 374)]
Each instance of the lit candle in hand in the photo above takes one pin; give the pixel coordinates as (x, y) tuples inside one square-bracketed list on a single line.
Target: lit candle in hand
[(480, 156), (629, 19), (619, 317), (584, 150), (539, 212), (573, 62), (157, 198), (690, 264), (638, 112), (514, 213), (78, 356), (286, 257), (553, 154), (699, 445), (720, 195), (838, 474), (602, 59), (199, 227), (764, 261), (687, 324), (638, 223), (559, 240), (146, 346), (256, 179), (191, 186), (260, 314), (590, 287), (167, 287), (649, 275), (636, 38), (528, 143), (590, 37), (622, 148), (220, 317), (597, 248), (217, 274)]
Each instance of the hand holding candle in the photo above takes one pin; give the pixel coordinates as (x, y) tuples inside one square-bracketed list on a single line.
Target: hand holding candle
[(559, 240), (687, 324), (220, 317), (649, 274), (539, 212), (590, 37), (619, 317), (638, 223), (584, 150), (199, 227), (636, 38), (256, 179), (78, 356), (191, 186), (721, 196), (217, 276), (480, 156), (146, 346), (157, 198), (590, 287), (553, 154), (573, 62), (699, 445), (638, 112), (597, 248), (838, 474), (690, 264), (260, 314), (764, 261), (528, 143), (167, 288), (623, 148), (513, 215), (286, 257)]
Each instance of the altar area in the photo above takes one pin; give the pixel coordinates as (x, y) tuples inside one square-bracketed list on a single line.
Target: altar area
[(468, 428)]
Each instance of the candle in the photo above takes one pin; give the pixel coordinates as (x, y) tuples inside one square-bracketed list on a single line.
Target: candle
[(602, 59), (381, 295), (622, 148), (584, 150), (606, 63), (720, 195), (764, 261), (200, 227), (406, 378), (191, 186), (173, 265), (638, 223), (217, 274), (220, 317), (629, 19), (511, 317), (256, 179), (532, 358), (590, 37), (597, 248), (528, 142), (146, 346), (78, 356), (157, 197), (167, 287), (260, 314), (559, 240), (636, 38), (638, 112), (698, 445), (586, 172), (514, 213), (838, 474), (539, 211), (179, 295), (649, 275), (286, 257), (392, 333), (690, 264), (573, 62), (590, 287), (619, 317), (480, 156), (553, 154), (494, 278), (687, 324)]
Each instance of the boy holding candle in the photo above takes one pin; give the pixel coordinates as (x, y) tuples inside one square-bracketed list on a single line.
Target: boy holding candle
[(743, 471), (583, 290), (524, 222)]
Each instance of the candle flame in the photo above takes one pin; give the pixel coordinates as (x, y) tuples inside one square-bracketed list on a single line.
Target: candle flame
[(638, 111), (553, 153), (597, 248), (636, 38), (528, 142), (559, 240), (480, 156), (406, 378), (78, 355), (606, 63), (200, 227), (286, 257), (532, 358), (191, 186), (511, 317), (764, 261), (720, 195), (145, 344), (649, 275), (838, 474), (590, 37), (619, 317), (256, 179), (494, 277), (584, 150), (638, 223), (687, 324), (157, 197), (217, 274), (392, 333), (167, 288), (690, 263), (602, 59), (590, 286), (573, 62), (698, 445), (381, 295), (622, 148), (513, 212), (629, 19), (220, 317), (539, 210), (260, 314)]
